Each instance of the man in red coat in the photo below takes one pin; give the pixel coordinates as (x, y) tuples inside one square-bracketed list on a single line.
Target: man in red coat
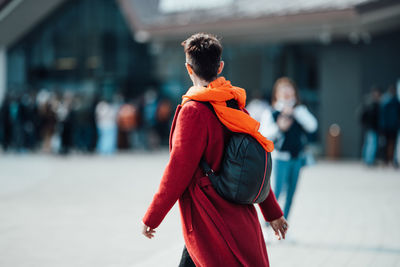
[(216, 232)]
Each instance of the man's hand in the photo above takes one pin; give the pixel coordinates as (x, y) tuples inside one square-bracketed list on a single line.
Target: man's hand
[(280, 227), (148, 232)]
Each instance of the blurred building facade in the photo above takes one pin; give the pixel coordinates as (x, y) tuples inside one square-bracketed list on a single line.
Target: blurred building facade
[(79, 45), (334, 50)]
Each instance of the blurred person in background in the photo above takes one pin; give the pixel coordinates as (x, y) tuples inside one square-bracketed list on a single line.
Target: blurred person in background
[(127, 123), (150, 119), (30, 121), (216, 232), (85, 132), (370, 123), (288, 123), (48, 119), (138, 135), (65, 122), (163, 120), (17, 123), (389, 124), (6, 125), (397, 149), (56, 106), (106, 121), (257, 106)]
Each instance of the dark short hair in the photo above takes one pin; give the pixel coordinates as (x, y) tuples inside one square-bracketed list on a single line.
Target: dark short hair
[(204, 54)]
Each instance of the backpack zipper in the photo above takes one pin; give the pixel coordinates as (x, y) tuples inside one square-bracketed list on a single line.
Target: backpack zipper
[(265, 173)]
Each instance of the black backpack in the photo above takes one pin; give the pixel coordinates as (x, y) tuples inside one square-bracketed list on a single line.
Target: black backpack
[(245, 172)]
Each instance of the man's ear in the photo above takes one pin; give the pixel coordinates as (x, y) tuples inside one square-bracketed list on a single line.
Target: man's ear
[(221, 66), (189, 69)]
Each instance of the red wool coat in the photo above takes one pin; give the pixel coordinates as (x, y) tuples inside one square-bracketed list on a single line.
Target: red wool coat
[(216, 232)]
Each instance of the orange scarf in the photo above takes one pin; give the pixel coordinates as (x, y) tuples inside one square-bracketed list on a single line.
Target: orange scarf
[(217, 93)]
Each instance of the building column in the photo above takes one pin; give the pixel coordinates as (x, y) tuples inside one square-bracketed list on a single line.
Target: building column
[(3, 72), (340, 96)]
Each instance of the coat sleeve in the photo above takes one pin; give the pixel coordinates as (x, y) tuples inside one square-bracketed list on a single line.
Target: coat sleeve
[(270, 208), (188, 144)]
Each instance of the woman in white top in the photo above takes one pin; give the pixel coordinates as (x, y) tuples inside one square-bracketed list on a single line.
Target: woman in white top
[(287, 124), (106, 121)]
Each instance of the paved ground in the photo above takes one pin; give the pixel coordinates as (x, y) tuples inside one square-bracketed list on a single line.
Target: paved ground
[(86, 211)]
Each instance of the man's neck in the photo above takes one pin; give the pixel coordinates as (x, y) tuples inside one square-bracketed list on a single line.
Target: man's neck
[(200, 82)]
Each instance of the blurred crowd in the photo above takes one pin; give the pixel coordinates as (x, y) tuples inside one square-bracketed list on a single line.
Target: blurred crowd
[(66, 122), (380, 118)]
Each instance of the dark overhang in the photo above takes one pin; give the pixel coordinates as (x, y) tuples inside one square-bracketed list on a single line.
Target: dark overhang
[(17, 17), (238, 20)]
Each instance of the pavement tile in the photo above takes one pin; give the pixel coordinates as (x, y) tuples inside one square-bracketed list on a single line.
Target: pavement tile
[(86, 210)]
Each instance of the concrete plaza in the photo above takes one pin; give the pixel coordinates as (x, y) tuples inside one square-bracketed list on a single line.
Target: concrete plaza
[(86, 211)]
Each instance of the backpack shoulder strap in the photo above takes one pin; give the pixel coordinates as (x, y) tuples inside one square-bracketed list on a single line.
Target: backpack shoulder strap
[(208, 171), (232, 103), (207, 104)]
